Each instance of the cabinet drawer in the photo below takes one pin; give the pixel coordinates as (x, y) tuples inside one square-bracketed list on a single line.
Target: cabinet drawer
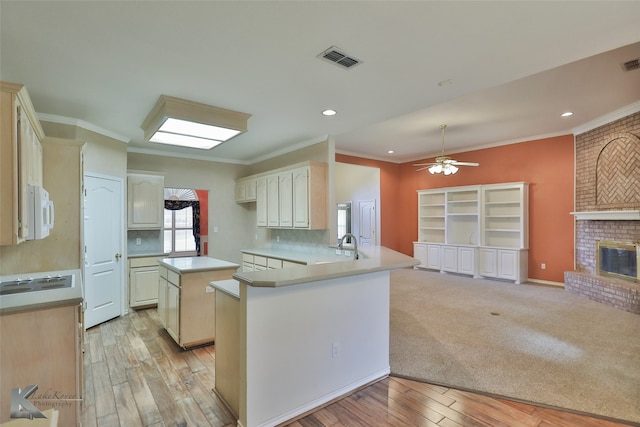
[(163, 271), (247, 258), (173, 277), (143, 262), (274, 263), (247, 266), (260, 260)]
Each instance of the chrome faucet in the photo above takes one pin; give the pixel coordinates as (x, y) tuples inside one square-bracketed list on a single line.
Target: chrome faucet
[(355, 244)]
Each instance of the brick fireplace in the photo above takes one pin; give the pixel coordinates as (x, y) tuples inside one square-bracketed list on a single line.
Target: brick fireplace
[(607, 208)]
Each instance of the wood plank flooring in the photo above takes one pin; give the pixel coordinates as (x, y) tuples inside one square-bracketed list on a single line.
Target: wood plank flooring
[(135, 375)]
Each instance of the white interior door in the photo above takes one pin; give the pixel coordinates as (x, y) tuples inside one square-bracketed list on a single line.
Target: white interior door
[(103, 263), (367, 222)]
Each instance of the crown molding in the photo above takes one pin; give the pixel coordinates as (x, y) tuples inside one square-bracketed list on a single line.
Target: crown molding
[(607, 118), (52, 118)]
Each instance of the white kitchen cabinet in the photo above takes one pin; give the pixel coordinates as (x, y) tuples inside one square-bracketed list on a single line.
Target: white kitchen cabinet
[(20, 158), (246, 190), (145, 201), (143, 281), (252, 262), (429, 255), (173, 311), (285, 200), (292, 197), (261, 202), (273, 201)]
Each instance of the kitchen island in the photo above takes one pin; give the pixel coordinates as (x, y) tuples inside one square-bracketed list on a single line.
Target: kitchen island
[(186, 303), (307, 335)]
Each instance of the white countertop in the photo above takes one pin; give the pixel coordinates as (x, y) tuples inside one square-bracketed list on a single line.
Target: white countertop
[(196, 263), (322, 256), (229, 286), (376, 258), (42, 299)]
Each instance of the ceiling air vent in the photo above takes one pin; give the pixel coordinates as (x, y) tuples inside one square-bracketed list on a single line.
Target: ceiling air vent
[(339, 57), (634, 64)]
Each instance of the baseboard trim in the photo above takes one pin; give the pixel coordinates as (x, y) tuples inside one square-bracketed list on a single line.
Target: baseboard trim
[(546, 282), (302, 411)]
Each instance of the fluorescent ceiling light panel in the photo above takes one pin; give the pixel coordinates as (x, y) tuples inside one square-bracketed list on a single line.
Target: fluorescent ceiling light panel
[(184, 127), (185, 123), (184, 140)]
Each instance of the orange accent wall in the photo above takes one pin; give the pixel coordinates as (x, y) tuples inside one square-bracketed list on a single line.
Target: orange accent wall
[(546, 164), (203, 197)]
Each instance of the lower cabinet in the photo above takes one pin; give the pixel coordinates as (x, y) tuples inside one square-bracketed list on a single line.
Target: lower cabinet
[(252, 262), (186, 304), (508, 264), (143, 282), (43, 347), (459, 259)]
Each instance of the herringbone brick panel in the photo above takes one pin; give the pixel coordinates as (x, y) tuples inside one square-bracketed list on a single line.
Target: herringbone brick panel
[(618, 172)]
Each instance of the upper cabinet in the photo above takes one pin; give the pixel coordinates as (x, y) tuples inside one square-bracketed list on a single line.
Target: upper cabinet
[(21, 160), (145, 201), (291, 197), (246, 190)]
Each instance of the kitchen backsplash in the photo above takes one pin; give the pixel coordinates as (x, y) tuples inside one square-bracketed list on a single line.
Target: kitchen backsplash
[(151, 241), (305, 241)]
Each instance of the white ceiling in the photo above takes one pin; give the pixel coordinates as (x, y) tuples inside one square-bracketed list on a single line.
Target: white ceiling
[(513, 68)]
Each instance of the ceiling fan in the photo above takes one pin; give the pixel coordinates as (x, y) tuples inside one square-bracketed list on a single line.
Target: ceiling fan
[(443, 164)]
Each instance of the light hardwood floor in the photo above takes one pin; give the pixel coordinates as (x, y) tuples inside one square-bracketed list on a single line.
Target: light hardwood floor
[(135, 375)]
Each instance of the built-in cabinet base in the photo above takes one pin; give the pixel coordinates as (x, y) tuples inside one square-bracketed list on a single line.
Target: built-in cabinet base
[(499, 263)]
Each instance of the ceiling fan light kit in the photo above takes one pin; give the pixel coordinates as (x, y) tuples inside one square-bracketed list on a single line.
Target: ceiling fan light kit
[(443, 164)]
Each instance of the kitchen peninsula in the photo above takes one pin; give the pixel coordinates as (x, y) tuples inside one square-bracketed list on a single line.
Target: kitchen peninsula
[(186, 303), (307, 334)]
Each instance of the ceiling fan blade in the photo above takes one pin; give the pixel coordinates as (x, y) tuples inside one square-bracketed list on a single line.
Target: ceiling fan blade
[(465, 164), (425, 164), (422, 168)]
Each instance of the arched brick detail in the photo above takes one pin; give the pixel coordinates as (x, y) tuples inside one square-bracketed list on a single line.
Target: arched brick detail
[(618, 172)]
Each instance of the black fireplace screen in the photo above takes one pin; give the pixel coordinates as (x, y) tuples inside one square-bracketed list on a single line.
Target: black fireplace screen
[(618, 259)]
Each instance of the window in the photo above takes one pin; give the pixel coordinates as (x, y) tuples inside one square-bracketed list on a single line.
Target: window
[(178, 232)]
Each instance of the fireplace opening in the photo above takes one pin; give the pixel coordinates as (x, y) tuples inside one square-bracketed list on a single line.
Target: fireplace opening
[(618, 259)]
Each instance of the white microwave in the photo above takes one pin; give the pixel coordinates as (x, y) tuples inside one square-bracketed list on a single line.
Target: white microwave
[(41, 213)]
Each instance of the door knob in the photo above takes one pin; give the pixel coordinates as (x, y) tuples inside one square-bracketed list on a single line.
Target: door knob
[(118, 256)]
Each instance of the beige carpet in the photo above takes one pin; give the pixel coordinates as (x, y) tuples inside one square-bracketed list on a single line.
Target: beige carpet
[(531, 343)]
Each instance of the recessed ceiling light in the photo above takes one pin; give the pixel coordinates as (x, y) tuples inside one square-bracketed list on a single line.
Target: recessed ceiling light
[(390, 152), (566, 114), (329, 112)]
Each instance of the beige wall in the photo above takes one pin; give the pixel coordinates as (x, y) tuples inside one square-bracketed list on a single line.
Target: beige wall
[(236, 222), (61, 250)]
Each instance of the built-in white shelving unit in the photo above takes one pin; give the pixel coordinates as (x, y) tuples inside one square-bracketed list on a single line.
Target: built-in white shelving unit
[(480, 230)]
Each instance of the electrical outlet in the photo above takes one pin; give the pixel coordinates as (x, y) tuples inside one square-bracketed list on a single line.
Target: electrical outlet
[(347, 253), (278, 239), (335, 350), (543, 266), (138, 240)]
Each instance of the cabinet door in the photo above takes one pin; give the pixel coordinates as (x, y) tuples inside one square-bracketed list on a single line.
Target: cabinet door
[(301, 198), (145, 201), (250, 191), (488, 262), (143, 284), (420, 253), (433, 257), (285, 198), (241, 192), (466, 260), (508, 264), (450, 258), (173, 311), (261, 202), (273, 203), (162, 300)]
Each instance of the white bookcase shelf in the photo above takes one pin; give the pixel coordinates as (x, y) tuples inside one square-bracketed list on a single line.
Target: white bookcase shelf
[(480, 230)]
